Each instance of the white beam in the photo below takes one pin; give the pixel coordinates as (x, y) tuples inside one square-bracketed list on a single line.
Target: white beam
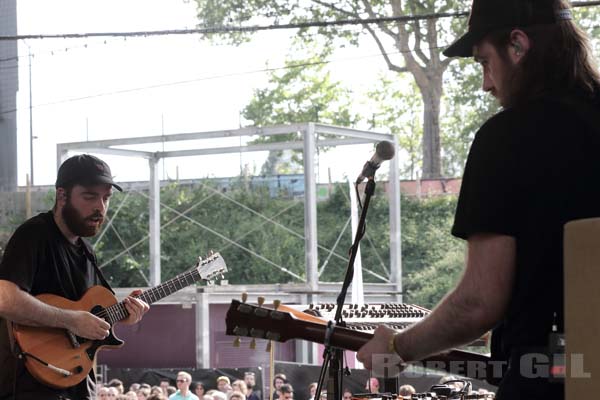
[(395, 227), (154, 224), (310, 209)]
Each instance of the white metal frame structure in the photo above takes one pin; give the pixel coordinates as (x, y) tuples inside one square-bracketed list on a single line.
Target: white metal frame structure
[(312, 139)]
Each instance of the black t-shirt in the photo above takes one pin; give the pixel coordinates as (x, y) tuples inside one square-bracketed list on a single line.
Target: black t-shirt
[(530, 170), (39, 259)]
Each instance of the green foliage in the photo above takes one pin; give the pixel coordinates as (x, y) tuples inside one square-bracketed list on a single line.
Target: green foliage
[(254, 229), (398, 110), (467, 108), (300, 93)]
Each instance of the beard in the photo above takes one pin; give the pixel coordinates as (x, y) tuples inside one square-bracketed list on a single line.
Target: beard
[(77, 224)]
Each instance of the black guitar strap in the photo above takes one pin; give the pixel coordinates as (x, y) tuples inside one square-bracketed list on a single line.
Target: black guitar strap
[(89, 254)]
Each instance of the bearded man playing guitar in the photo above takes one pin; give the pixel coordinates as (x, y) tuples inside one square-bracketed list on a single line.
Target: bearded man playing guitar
[(47, 254)]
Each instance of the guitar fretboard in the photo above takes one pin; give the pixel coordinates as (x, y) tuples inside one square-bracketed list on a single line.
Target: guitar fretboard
[(118, 312)]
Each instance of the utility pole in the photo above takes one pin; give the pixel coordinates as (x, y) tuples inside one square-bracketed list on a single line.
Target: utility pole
[(30, 120)]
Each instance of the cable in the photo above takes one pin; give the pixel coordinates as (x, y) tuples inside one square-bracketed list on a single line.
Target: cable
[(257, 28)]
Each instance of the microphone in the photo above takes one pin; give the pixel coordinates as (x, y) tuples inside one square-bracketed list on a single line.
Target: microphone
[(383, 151)]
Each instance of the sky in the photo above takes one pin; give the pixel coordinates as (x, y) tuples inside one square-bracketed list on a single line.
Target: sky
[(97, 88)]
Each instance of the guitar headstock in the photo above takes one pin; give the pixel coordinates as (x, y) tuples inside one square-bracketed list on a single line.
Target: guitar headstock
[(211, 267), (258, 322)]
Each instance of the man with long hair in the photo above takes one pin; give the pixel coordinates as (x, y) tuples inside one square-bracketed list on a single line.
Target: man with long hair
[(531, 168)]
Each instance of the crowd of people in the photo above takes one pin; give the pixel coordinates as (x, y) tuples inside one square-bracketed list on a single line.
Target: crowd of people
[(185, 389), (226, 389)]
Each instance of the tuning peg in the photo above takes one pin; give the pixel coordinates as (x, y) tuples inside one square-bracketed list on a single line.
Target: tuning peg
[(222, 276), (211, 253), (276, 304), (244, 297), (236, 342), (210, 283), (268, 349), (260, 301), (253, 344)]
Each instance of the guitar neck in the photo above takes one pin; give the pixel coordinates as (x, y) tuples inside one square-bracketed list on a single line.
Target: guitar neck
[(118, 312)]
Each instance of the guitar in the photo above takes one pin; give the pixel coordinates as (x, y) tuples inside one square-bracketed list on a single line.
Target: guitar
[(284, 323), (60, 359)]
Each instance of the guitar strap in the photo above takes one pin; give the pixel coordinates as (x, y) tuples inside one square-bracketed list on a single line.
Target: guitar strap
[(92, 259)]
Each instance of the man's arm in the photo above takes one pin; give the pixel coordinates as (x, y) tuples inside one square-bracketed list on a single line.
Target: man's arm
[(20, 307), (475, 306)]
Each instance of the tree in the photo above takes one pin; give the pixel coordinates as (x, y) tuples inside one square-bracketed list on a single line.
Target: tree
[(397, 109), (418, 42), (301, 92)]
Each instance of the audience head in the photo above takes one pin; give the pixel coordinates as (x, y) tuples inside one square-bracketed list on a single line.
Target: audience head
[(406, 392), (118, 384), (287, 392), (222, 383), (250, 379), (183, 381), (279, 380)]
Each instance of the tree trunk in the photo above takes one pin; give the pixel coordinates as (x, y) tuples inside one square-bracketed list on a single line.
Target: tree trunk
[(432, 95)]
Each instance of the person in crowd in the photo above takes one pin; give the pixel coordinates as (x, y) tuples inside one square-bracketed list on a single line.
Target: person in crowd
[(287, 392), (347, 394), (171, 390), (143, 393), (217, 394), (312, 390), (539, 65), (156, 390), (118, 384), (183, 392), (278, 380), (240, 386), (253, 393), (131, 395), (134, 387), (223, 384), (158, 396), (164, 383), (199, 390), (103, 393), (406, 391), (48, 254), (372, 385), (236, 395)]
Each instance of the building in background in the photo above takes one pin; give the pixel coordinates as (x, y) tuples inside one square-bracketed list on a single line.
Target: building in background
[(9, 85)]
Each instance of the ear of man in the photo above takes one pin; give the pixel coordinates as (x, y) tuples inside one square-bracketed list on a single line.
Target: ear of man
[(519, 45)]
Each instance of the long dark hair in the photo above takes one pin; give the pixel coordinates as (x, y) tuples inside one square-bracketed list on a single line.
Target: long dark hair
[(559, 59)]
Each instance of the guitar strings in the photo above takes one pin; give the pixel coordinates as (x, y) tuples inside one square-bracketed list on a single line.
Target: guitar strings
[(113, 313)]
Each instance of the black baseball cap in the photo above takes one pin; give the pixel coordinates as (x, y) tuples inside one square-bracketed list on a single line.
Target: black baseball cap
[(491, 15), (84, 169)]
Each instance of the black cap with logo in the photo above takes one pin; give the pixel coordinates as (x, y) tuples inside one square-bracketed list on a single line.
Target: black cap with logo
[(84, 169), (491, 15)]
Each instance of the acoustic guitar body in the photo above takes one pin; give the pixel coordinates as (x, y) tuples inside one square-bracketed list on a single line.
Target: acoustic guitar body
[(61, 349)]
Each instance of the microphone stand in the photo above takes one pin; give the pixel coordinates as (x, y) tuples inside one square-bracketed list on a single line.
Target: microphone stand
[(333, 358)]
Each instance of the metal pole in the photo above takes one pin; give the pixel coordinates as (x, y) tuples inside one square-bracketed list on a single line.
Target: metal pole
[(30, 119), (395, 227), (310, 209), (154, 229)]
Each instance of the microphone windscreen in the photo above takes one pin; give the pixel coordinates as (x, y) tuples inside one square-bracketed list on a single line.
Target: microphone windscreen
[(385, 150)]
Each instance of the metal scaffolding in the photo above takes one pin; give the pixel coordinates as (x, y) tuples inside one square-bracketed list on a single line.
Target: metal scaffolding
[(313, 135)]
